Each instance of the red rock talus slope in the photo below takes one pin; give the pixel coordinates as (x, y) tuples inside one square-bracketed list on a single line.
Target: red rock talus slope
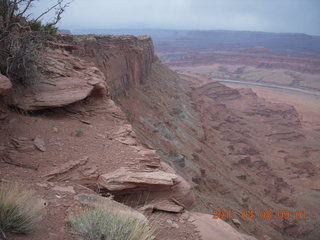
[(239, 151), (125, 61)]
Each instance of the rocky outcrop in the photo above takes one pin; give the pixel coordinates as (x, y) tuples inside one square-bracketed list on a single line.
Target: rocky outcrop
[(72, 71), (67, 80), (132, 181), (5, 85), (125, 60), (222, 140), (18, 152), (149, 181), (165, 190)]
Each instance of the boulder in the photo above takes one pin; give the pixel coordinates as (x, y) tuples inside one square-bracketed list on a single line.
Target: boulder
[(21, 152), (5, 85), (67, 80), (126, 179), (160, 188), (181, 193), (56, 92)]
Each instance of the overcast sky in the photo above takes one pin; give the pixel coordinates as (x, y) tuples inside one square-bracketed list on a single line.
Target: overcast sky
[(301, 16)]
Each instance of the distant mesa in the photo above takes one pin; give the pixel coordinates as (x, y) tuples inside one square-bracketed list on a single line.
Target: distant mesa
[(257, 50)]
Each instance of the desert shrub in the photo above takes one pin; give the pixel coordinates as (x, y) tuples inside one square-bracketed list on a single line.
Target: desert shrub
[(20, 210), (23, 39), (100, 224), (79, 132)]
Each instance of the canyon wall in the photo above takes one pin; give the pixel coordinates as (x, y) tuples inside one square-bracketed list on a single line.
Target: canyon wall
[(238, 151), (125, 61)]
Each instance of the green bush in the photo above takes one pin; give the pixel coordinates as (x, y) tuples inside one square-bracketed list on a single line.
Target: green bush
[(100, 224), (79, 132), (20, 211)]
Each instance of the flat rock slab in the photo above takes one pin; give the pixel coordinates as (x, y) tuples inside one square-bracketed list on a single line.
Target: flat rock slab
[(163, 205), (161, 189), (123, 179), (67, 80), (56, 92), (68, 189)]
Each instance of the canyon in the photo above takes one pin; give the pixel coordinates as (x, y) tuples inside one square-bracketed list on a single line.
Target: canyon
[(173, 141)]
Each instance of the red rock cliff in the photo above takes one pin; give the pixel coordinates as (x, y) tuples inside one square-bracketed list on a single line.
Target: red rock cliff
[(125, 61), (213, 135)]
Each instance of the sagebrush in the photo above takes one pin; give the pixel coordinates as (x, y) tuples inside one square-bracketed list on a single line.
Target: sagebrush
[(20, 210), (100, 224)]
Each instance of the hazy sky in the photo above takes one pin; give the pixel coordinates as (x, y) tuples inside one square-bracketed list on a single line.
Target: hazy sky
[(258, 15)]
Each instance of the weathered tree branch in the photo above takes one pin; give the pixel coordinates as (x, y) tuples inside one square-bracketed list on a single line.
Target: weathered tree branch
[(22, 39)]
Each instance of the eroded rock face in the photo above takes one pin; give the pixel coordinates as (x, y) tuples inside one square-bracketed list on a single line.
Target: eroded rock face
[(5, 85), (68, 80), (18, 152), (57, 92), (126, 61), (232, 141)]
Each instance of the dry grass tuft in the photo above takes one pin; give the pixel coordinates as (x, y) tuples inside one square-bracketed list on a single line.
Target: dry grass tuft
[(100, 224), (20, 210)]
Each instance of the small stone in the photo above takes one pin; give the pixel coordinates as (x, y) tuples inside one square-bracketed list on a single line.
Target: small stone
[(44, 185), (236, 222), (169, 221), (68, 189), (13, 120), (266, 237), (51, 184), (147, 209), (85, 122), (40, 144), (54, 129), (172, 224), (184, 216)]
